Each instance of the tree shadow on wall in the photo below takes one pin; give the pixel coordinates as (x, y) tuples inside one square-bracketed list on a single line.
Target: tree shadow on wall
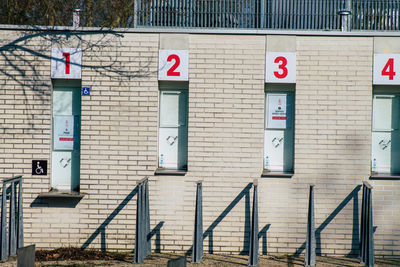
[(101, 230), (24, 58), (355, 240)]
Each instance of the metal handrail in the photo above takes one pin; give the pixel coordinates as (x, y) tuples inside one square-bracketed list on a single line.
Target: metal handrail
[(142, 238), (197, 252), (367, 228), (12, 239), (254, 246)]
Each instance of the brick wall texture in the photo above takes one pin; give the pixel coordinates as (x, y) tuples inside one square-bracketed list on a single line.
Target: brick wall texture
[(119, 129)]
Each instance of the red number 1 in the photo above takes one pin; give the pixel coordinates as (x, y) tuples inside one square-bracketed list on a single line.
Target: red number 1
[(388, 70), (67, 62), (282, 66), (171, 71)]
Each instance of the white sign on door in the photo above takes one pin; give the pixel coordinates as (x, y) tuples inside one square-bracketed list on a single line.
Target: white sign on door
[(66, 63), (386, 69), (280, 67), (173, 65), (277, 114), (64, 132)]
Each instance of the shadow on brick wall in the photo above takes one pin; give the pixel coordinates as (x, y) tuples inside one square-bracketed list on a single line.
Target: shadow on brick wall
[(28, 76), (101, 230), (245, 193), (355, 240)]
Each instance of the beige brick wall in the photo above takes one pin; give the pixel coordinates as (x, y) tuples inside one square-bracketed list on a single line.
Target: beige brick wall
[(226, 117)]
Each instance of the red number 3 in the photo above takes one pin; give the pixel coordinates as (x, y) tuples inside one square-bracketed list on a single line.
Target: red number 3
[(282, 61), (388, 70), (171, 71)]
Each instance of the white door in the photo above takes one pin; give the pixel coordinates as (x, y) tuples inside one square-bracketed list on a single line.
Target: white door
[(66, 139), (173, 130), (385, 134), (278, 134)]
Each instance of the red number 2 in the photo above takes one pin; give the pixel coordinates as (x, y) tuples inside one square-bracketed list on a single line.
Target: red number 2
[(388, 70), (67, 62), (282, 66), (171, 71)]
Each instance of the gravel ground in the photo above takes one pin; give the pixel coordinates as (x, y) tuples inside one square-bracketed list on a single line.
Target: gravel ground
[(161, 259)]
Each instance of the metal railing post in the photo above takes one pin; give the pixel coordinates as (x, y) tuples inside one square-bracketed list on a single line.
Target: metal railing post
[(12, 233), (12, 239), (142, 240), (197, 255), (254, 246), (4, 239), (147, 214), (362, 226), (20, 224), (136, 7), (367, 231), (262, 14), (310, 241), (138, 239)]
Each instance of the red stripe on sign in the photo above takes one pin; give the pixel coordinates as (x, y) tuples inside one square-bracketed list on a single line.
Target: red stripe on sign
[(66, 139), (278, 118)]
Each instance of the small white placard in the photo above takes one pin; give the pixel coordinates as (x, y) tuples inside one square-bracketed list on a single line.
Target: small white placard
[(173, 65), (64, 132), (280, 67), (277, 111), (66, 63), (386, 69)]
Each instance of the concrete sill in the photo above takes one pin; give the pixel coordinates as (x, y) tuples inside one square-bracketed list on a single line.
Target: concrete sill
[(58, 199), (162, 171), (269, 174), (384, 176), (58, 194)]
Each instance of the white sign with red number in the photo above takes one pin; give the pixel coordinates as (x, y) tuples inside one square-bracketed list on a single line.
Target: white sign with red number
[(66, 63), (173, 65), (280, 67), (386, 69)]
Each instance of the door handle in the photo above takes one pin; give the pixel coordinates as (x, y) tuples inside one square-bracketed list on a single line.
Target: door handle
[(171, 139), (277, 141), (65, 162), (384, 144)]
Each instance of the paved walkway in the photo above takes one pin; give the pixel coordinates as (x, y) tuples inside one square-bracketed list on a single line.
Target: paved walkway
[(161, 259)]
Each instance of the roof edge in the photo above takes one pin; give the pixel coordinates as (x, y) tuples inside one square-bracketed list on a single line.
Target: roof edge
[(199, 31)]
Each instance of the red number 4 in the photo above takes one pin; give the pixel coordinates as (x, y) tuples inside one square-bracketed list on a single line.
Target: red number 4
[(388, 70)]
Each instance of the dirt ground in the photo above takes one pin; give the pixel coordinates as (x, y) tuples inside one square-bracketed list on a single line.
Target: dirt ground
[(79, 258)]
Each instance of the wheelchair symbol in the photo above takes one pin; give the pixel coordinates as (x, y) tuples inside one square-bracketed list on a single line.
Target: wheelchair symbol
[(85, 90), (39, 169)]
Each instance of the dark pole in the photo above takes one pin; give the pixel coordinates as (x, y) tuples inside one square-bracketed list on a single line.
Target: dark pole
[(4, 243), (310, 242), (253, 251), (367, 227), (197, 255)]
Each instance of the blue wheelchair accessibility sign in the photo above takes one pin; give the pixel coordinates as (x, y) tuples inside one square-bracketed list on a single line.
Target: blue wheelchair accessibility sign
[(85, 90)]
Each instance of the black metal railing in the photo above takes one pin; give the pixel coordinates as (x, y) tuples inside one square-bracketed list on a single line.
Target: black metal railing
[(142, 238), (12, 233), (370, 15), (254, 245), (367, 227), (309, 257), (197, 253)]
